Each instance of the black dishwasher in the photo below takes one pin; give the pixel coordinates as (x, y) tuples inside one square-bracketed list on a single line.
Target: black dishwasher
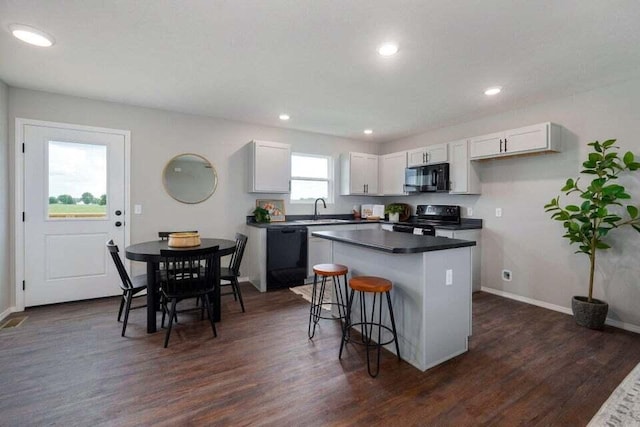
[(286, 256)]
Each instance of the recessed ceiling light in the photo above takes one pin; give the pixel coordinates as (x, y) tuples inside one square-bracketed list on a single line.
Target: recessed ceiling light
[(368, 131), (493, 91), (284, 117), (31, 35), (388, 49)]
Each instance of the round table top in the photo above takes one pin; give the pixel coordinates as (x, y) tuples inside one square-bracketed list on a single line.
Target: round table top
[(150, 251)]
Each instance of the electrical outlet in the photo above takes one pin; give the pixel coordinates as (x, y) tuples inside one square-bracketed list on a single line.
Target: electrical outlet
[(507, 275), (449, 278), (498, 212), (137, 209), (469, 211)]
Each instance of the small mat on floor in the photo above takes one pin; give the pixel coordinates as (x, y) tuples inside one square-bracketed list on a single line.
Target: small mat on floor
[(305, 292), (13, 322), (622, 408)]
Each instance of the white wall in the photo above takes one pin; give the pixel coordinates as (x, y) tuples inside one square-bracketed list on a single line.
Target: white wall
[(525, 240), (157, 136), (5, 288)]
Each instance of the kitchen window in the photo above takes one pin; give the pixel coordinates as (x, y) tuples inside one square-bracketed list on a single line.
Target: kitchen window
[(311, 178)]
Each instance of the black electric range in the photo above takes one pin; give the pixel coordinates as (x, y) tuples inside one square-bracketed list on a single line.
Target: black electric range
[(429, 216)]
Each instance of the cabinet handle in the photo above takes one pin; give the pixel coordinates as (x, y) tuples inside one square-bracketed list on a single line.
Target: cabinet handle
[(501, 145), (424, 157), (427, 156), (505, 145)]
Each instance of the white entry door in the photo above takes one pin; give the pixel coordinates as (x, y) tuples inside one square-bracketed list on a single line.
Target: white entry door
[(74, 197)]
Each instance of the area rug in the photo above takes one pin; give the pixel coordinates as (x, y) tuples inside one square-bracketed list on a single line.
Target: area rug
[(622, 408), (305, 291)]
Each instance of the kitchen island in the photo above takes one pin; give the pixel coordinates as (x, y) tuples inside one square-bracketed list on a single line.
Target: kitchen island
[(431, 294)]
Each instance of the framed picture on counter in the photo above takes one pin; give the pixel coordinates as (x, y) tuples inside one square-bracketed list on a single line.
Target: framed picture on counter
[(275, 208)]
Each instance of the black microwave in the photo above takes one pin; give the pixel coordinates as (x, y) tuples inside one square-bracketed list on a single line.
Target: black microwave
[(427, 179)]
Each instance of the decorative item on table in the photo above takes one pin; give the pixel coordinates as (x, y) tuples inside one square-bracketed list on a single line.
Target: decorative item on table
[(274, 207), (597, 211), (183, 240), (394, 210), (261, 215), (370, 212)]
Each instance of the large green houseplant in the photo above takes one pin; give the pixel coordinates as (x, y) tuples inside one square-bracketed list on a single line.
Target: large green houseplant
[(604, 206)]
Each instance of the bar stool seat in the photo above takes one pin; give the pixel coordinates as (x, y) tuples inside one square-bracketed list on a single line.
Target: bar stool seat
[(333, 271), (376, 287)]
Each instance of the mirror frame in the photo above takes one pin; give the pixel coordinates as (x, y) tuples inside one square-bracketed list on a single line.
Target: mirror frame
[(164, 178)]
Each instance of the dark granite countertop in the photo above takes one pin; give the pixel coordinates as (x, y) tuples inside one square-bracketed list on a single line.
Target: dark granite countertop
[(397, 243), (305, 221)]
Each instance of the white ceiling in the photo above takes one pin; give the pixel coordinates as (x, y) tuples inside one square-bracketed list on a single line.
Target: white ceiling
[(317, 60)]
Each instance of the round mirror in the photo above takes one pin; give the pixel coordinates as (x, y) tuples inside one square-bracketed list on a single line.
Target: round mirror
[(189, 178)]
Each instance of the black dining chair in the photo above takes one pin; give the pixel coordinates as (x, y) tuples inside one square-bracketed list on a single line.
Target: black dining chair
[(232, 273), (130, 287), (187, 274)]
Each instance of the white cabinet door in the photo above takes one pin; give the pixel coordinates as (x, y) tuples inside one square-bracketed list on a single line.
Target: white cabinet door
[(417, 157), (463, 175), (371, 169), (486, 145), (359, 174), (437, 153), (391, 174), (271, 167), (529, 138)]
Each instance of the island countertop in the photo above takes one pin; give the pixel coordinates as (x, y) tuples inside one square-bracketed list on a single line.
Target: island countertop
[(398, 243)]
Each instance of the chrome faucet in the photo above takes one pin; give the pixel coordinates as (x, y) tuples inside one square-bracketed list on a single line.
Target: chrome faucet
[(315, 207)]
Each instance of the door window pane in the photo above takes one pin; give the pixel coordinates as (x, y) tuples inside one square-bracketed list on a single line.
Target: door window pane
[(77, 180)]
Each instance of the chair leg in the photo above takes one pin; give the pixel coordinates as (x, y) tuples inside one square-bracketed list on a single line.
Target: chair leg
[(210, 312), (393, 325), (171, 316), (121, 306), (312, 308), (126, 313), (236, 287), (347, 323)]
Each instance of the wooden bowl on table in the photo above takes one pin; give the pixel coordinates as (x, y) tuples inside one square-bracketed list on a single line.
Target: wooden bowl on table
[(184, 240)]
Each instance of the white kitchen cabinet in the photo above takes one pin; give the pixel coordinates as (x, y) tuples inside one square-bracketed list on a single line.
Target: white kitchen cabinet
[(359, 174), (539, 138), (476, 236), (270, 167), (463, 174), (391, 174), (436, 153)]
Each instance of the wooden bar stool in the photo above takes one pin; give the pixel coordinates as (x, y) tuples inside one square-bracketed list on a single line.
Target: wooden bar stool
[(315, 311), (376, 286)]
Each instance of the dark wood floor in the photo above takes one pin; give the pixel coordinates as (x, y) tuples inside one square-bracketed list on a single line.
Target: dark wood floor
[(68, 365)]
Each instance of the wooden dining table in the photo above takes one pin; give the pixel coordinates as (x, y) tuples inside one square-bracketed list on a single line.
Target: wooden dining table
[(149, 252)]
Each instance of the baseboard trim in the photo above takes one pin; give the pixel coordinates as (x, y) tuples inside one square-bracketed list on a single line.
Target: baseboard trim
[(7, 312), (566, 310)]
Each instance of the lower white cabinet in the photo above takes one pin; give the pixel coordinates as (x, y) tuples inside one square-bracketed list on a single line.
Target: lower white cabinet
[(476, 236)]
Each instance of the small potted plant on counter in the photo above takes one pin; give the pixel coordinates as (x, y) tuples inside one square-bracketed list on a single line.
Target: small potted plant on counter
[(394, 211), (261, 215), (604, 206)]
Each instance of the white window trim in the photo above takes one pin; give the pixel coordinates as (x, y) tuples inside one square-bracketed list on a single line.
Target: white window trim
[(330, 180)]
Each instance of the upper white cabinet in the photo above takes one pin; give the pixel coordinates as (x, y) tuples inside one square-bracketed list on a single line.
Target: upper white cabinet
[(359, 174), (463, 175), (270, 167), (436, 153), (538, 138), (391, 174)]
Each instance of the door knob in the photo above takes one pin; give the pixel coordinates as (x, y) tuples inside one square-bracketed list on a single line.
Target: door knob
[(118, 223)]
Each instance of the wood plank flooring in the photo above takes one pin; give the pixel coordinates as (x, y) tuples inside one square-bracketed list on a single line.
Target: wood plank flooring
[(68, 365)]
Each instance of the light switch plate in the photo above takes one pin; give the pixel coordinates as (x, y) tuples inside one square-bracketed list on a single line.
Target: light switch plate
[(137, 209), (469, 211), (449, 278), (498, 212)]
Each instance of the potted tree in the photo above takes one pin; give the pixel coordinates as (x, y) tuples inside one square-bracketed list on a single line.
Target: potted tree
[(394, 211), (604, 206)]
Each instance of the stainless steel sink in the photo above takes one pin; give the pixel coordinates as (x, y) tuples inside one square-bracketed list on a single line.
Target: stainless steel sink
[(320, 221)]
